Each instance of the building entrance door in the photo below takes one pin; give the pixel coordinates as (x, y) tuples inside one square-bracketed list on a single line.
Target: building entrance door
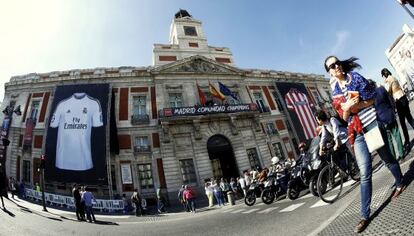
[(222, 157)]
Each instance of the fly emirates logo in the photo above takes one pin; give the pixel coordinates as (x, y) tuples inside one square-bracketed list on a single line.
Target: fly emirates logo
[(76, 124)]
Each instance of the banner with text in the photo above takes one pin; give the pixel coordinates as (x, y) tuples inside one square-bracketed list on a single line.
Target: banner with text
[(198, 110)]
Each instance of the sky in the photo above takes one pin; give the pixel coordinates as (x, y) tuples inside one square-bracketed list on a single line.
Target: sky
[(54, 35)]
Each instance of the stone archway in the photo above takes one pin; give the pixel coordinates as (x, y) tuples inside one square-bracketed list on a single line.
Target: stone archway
[(222, 157)]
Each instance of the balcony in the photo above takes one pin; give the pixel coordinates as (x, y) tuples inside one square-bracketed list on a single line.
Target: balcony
[(263, 109), (139, 119), (271, 132), (142, 149)]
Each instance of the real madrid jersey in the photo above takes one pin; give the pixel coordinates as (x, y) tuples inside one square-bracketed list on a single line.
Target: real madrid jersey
[(75, 117)]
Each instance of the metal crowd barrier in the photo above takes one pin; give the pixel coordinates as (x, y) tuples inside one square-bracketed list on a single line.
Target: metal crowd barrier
[(69, 202)]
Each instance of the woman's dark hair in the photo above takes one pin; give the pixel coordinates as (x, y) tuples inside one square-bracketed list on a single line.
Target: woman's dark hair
[(321, 115), (385, 73), (347, 65)]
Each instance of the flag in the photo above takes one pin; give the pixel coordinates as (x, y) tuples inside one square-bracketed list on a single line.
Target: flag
[(226, 91), (215, 93), (201, 95)]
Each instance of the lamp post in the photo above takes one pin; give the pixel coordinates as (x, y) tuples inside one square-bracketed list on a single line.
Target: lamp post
[(8, 112), (42, 180), (403, 2)]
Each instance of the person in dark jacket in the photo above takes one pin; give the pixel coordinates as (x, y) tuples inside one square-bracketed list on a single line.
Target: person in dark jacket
[(77, 197), (385, 118)]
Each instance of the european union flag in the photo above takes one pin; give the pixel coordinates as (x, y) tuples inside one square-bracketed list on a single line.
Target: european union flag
[(226, 91)]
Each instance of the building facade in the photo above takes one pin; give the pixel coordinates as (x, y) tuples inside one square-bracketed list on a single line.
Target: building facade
[(401, 56), (167, 137)]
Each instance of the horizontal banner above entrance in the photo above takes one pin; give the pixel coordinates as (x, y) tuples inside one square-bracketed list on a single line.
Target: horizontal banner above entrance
[(198, 110)]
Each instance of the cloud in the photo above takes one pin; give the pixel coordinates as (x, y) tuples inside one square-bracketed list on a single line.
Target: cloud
[(340, 43)]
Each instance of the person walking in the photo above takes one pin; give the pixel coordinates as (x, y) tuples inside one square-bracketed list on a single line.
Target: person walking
[(243, 185), (189, 197), (209, 193), (402, 105), (77, 198), (136, 199), (3, 187), (351, 108), (181, 197), (217, 193), (160, 201), (387, 120), (225, 188), (82, 203), (22, 190), (12, 186), (87, 197)]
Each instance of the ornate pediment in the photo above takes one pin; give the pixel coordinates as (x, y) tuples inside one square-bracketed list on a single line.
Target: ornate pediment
[(197, 64)]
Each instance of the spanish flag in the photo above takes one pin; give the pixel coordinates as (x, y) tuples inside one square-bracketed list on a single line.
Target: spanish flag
[(216, 93), (201, 95)]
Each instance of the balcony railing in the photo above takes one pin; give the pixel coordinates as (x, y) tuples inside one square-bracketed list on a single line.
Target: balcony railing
[(139, 119), (142, 149), (263, 109), (271, 132)]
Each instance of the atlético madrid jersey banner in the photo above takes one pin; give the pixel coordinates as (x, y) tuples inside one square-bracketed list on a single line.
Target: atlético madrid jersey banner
[(76, 136), (300, 108)]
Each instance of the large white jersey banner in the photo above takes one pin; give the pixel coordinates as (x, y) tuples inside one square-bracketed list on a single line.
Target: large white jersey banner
[(74, 117), (76, 139)]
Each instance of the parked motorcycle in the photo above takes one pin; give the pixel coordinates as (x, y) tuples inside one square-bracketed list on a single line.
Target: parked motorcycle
[(254, 191), (315, 166), (275, 186), (299, 177)]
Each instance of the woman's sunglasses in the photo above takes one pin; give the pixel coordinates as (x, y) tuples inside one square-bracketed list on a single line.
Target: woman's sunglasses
[(333, 65)]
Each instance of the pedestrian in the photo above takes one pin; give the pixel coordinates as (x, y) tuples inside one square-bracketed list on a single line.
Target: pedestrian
[(181, 197), (77, 198), (387, 120), (22, 190), (87, 197), (82, 203), (12, 186), (136, 199), (125, 202), (233, 185), (37, 187), (217, 193), (3, 187), (347, 82), (402, 105), (160, 201), (225, 188), (243, 187), (189, 197), (209, 193), (247, 179)]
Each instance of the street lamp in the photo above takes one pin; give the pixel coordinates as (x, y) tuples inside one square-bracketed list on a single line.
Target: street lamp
[(8, 112), (403, 2), (42, 179)]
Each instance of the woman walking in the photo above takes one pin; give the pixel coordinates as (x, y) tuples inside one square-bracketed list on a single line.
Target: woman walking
[(353, 98), (402, 104)]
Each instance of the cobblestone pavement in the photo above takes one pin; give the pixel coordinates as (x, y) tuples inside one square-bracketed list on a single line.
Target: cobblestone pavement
[(388, 216)]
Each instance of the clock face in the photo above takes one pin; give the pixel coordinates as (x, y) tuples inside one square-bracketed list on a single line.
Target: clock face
[(190, 30)]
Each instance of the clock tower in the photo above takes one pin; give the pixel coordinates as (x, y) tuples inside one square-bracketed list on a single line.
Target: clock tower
[(187, 39)]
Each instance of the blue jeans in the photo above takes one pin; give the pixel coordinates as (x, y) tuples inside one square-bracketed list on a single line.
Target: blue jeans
[(363, 158), (388, 159), (219, 198)]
